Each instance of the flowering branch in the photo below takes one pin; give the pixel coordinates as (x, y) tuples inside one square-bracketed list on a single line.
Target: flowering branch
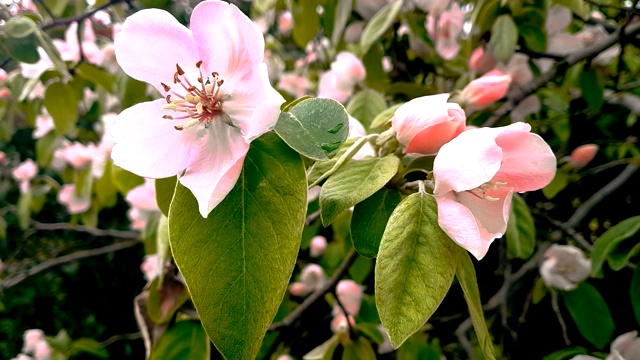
[(79, 18), (21, 275), (519, 94)]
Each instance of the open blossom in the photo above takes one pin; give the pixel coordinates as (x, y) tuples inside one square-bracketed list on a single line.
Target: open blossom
[(216, 98), (582, 155), (426, 123), (31, 338), (625, 347), (295, 85), (79, 155), (476, 175), (69, 48), (444, 30), (142, 200), (338, 83), (24, 172), (76, 204), (44, 124), (564, 267), (486, 90), (43, 351)]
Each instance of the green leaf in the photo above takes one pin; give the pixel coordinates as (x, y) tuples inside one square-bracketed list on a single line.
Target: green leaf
[(608, 242), (306, 21), (622, 254), (466, 274), (164, 193), (504, 37), (62, 104), (521, 231), (20, 27), (185, 340), (24, 209), (343, 12), (162, 244), (133, 91), (414, 269), (592, 89), (3, 228), (45, 147), (370, 218), (384, 116), (559, 182), (635, 292), (237, 262), (539, 291), (379, 24), (323, 351), (96, 75), (353, 183), (366, 105), (590, 313), (106, 192), (484, 14), (124, 180), (24, 50), (534, 38), (358, 350), (314, 127)]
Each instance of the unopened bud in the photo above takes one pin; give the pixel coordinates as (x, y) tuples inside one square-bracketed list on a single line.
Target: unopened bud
[(582, 155), (564, 266), (299, 289), (350, 295), (318, 245)]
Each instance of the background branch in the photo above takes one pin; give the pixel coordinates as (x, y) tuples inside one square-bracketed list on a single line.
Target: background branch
[(121, 234)]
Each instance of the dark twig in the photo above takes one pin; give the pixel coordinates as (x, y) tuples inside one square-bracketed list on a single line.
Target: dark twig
[(462, 338), (317, 294), (114, 338), (556, 310), (21, 275), (121, 234), (520, 93), (352, 333), (79, 18)]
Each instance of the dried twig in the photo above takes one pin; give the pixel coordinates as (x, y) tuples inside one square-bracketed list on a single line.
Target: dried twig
[(121, 234)]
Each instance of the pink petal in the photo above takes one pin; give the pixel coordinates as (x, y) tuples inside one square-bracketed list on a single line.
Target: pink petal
[(431, 139), (227, 40), (150, 45), (527, 161), (147, 144), (254, 105), (216, 165)]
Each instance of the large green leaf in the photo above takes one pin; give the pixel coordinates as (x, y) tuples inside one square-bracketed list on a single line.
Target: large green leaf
[(96, 75), (185, 340), (609, 241), (353, 183), (635, 292), (466, 274), (61, 102), (237, 262), (590, 313), (370, 218), (484, 13), (415, 267), (314, 127), (521, 231), (366, 105), (306, 21), (379, 24), (592, 89), (45, 147), (164, 193), (359, 349), (342, 14), (384, 116), (124, 180), (504, 37), (20, 27)]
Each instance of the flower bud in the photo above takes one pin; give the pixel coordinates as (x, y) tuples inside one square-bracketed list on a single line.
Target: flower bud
[(285, 22), (350, 295), (339, 323), (313, 276), (3, 75), (76, 204), (24, 172), (426, 123), (564, 266), (149, 267), (625, 347), (318, 246), (43, 351), (31, 338), (486, 90), (582, 155), (299, 289), (481, 60)]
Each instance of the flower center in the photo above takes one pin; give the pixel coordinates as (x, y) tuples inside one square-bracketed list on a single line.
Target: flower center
[(481, 191), (198, 104)]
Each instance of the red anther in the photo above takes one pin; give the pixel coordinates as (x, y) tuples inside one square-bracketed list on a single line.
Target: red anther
[(198, 64), (179, 69), (220, 82), (165, 87), (168, 98), (168, 117)]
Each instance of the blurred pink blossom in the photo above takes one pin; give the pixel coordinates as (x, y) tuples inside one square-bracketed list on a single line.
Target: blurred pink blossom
[(3, 75), (356, 130), (24, 172), (476, 175), (340, 324), (149, 267), (444, 30), (339, 82), (481, 60), (142, 200), (426, 123), (519, 69), (582, 155), (31, 338), (317, 246), (79, 155), (75, 203), (312, 277), (295, 85), (485, 90), (285, 22), (530, 105), (350, 295), (43, 351), (44, 124)]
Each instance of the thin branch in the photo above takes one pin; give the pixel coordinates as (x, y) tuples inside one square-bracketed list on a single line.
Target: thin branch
[(21, 275), (114, 338), (462, 338), (317, 294), (519, 94), (556, 310), (79, 18), (584, 209), (352, 333), (121, 234)]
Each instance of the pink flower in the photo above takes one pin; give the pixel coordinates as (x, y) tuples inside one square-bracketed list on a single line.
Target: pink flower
[(318, 246), (79, 155), (76, 204), (340, 323), (338, 83), (24, 172), (356, 130), (31, 338), (426, 123), (311, 278), (481, 60), (582, 155), (476, 175), (518, 68), (295, 85), (564, 267), (142, 200), (432, 6), (444, 29), (3, 75), (149, 267), (285, 22), (44, 124), (214, 121), (486, 90), (350, 295), (69, 48), (43, 351)]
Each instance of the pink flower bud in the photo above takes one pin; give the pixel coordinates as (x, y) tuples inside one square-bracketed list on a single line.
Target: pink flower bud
[(76, 204), (3, 75), (339, 323), (318, 245), (313, 276), (149, 267), (31, 338), (481, 61), (350, 295), (44, 124), (24, 172), (426, 123), (43, 351), (284, 357), (486, 90), (299, 289), (582, 155), (285, 22), (5, 94)]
